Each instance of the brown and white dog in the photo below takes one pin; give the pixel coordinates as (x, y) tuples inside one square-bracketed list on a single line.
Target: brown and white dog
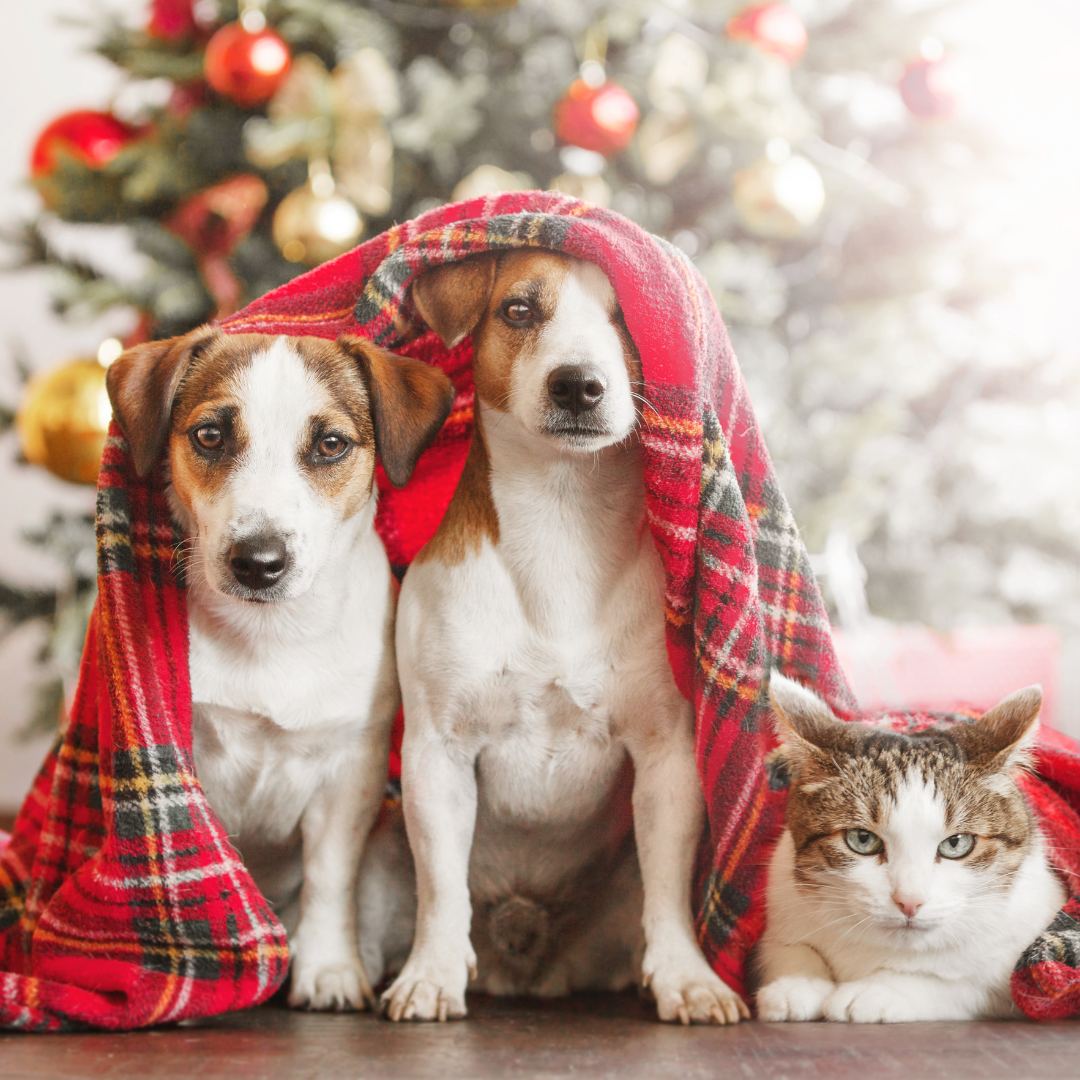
[(550, 792), (271, 446)]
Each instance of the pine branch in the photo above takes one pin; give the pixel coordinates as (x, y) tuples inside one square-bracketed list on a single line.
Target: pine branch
[(31, 248), (146, 57), (20, 605), (48, 712)]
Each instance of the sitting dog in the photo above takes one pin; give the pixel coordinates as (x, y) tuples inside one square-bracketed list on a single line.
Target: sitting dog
[(271, 446), (550, 793)]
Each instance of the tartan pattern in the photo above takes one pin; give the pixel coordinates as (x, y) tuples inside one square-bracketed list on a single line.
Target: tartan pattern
[(1046, 982), (740, 599), (122, 903), (118, 877)]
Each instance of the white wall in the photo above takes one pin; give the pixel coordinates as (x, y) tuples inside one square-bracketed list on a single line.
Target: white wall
[(44, 71)]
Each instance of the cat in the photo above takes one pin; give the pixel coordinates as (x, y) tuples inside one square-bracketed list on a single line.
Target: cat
[(911, 874)]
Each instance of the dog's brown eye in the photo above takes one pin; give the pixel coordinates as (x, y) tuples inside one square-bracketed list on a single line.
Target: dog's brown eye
[(519, 313), (330, 446), (209, 437)]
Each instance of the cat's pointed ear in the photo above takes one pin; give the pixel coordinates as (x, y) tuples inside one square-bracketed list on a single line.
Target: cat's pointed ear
[(801, 718), (1002, 738)]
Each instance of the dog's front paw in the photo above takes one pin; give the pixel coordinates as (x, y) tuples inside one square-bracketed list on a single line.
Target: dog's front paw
[(428, 991), (793, 997), (692, 993), (871, 1001), (339, 987)]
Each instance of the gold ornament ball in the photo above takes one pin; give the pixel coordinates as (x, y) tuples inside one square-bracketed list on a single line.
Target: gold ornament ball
[(779, 199), (311, 226), (63, 419)]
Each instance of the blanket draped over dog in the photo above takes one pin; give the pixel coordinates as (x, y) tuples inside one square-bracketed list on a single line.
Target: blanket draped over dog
[(122, 903)]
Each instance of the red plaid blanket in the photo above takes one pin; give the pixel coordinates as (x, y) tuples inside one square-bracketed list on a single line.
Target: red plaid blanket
[(121, 902)]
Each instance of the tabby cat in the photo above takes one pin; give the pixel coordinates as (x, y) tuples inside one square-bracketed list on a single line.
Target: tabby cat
[(911, 874)]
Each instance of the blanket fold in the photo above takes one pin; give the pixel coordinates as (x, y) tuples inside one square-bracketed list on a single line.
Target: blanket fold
[(122, 903)]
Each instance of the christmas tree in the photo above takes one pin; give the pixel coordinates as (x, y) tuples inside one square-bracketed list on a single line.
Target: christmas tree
[(820, 175)]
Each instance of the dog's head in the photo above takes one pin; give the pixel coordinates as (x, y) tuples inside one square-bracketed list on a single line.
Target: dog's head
[(550, 344), (272, 443)]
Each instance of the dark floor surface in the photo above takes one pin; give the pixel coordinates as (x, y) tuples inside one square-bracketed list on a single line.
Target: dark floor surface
[(584, 1038)]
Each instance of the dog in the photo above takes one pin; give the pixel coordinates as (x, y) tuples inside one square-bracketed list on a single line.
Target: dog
[(271, 444), (550, 791)]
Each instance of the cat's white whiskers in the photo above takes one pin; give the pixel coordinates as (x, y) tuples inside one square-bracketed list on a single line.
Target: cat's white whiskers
[(863, 886)]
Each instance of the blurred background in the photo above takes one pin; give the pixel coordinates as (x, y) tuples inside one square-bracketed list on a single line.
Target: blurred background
[(882, 195)]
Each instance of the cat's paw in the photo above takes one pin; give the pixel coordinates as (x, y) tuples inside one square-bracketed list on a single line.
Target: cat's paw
[(871, 1001), (793, 997), (337, 987)]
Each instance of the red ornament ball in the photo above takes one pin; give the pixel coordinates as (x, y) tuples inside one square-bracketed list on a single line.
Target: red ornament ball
[(171, 20), (599, 118), (95, 138), (773, 28), (931, 88), (244, 67)]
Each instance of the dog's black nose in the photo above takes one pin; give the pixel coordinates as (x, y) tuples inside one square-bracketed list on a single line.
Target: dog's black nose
[(577, 388), (258, 561)]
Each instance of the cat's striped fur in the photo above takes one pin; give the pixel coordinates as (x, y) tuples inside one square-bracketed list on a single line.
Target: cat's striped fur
[(911, 874)]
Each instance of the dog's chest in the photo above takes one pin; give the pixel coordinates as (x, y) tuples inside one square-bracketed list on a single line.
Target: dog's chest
[(277, 714), (297, 687), (259, 777), (549, 751), (555, 701)]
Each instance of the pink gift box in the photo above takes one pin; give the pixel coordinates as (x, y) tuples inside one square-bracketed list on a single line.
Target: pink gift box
[(891, 666)]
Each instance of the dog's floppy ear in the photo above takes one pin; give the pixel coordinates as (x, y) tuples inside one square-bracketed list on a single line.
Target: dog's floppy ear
[(410, 401), (142, 384), (453, 297)]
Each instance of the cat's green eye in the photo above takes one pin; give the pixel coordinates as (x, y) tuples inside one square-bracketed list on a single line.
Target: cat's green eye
[(956, 847), (863, 841)]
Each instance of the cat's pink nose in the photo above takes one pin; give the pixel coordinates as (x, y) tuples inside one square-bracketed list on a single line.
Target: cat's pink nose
[(909, 905)]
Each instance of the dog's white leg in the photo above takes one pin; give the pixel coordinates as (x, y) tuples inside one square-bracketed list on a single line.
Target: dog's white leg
[(326, 968), (438, 787), (669, 813)]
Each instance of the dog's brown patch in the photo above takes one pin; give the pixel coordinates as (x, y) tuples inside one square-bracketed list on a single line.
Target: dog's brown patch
[(346, 411), (374, 399), (142, 386), (453, 298), (535, 276), (410, 401), (468, 296), (208, 392), (471, 516), (631, 356)]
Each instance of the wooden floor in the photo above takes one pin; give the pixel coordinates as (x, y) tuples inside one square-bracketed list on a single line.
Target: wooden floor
[(583, 1038)]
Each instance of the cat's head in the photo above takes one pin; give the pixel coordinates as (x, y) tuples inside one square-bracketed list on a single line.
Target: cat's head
[(905, 837)]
